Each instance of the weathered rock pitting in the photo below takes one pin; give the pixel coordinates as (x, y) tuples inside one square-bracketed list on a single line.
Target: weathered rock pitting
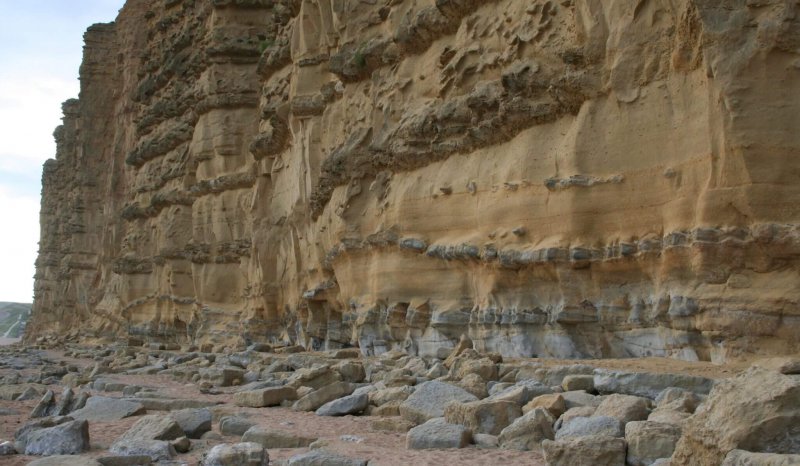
[(558, 179)]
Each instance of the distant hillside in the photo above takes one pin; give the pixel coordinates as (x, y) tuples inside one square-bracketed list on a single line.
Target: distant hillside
[(13, 317)]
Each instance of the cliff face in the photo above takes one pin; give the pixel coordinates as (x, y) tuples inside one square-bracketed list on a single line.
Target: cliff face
[(574, 178)]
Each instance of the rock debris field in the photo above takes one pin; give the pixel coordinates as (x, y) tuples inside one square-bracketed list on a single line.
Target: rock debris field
[(134, 404)]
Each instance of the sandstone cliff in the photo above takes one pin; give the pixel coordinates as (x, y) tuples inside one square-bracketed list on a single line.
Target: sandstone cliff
[(577, 178)]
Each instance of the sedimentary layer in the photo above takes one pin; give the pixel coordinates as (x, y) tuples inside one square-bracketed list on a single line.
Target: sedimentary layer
[(566, 179)]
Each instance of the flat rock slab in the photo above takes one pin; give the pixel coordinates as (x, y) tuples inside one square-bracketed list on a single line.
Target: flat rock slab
[(152, 427), (324, 458), (64, 460), (172, 404), (105, 409), (238, 454), (156, 450), (351, 404), (648, 384), (269, 438)]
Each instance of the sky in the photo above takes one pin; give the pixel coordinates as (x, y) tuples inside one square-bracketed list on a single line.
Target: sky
[(40, 52)]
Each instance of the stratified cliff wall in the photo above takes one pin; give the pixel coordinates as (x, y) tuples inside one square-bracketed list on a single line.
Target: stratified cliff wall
[(577, 178)]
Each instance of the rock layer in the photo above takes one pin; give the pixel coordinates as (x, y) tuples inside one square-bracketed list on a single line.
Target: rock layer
[(567, 179)]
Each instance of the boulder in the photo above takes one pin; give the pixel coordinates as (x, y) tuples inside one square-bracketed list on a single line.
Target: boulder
[(553, 403), (324, 458), (234, 425), (238, 454), (319, 397), (271, 396), (580, 398), (528, 432), (7, 449), (101, 408), (578, 382), (429, 399), (593, 450), (625, 408), (269, 438), (156, 450), (23, 433), (351, 371), (647, 384), (586, 426), (758, 410), (352, 404), (69, 438), (193, 422), (314, 377), (438, 433), (484, 416), (474, 384), (746, 458), (648, 441)]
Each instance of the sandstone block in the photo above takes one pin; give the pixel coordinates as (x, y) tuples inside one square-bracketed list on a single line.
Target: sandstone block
[(529, 431), (272, 396), (587, 426), (319, 397), (484, 416), (648, 441), (593, 450), (553, 403), (625, 408), (768, 421), (238, 454)]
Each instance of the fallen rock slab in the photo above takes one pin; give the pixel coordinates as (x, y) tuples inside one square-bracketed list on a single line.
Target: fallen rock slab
[(529, 431), (324, 458), (648, 441), (648, 384), (238, 454), (351, 404), (69, 438), (156, 450), (593, 450), (585, 426), (194, 422), (272, 396), (319, 397), (270, 438), (65, 460), (483, 416), (101, 408)]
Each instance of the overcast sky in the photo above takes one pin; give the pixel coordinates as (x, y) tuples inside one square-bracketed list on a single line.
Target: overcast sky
[(40, 51)]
